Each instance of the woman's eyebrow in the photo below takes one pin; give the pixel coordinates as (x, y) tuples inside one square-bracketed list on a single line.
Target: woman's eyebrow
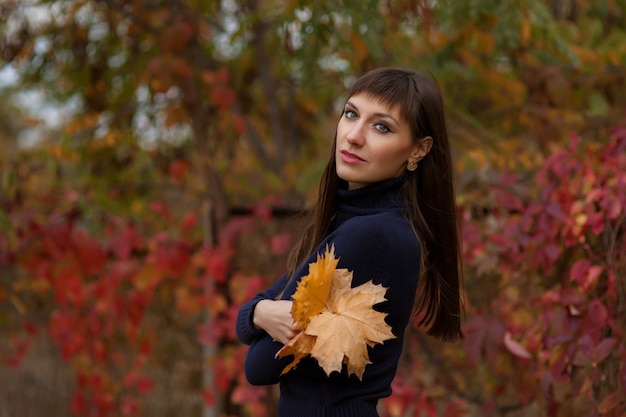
[(377, 114)]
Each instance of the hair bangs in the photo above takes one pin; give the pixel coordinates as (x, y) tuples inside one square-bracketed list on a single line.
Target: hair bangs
[(394, 87)]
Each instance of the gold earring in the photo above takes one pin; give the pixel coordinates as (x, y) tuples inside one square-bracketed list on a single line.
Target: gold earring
[(411, 165)]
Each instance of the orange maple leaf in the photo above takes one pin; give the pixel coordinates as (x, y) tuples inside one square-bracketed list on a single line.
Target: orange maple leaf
[(300, 347), (338, 322), (312, 291)]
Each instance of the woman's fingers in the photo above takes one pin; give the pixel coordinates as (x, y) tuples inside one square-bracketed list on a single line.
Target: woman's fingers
[(274, 316)]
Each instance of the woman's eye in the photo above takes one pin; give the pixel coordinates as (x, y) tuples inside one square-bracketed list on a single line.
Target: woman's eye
[(382, 127), (350, 114)]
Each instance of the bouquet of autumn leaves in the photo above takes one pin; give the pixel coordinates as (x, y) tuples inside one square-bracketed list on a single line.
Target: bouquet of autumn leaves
[(336, 322)]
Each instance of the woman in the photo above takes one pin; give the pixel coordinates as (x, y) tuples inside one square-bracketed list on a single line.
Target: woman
[(386, 202)]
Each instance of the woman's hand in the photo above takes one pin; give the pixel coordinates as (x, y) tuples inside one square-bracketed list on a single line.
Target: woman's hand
[(274, 316)]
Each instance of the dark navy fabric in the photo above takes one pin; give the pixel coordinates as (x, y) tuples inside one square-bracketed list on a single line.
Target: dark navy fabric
[(373, 239)]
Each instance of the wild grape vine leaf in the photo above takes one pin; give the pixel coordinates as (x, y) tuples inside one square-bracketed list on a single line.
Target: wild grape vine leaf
[(337, 321)]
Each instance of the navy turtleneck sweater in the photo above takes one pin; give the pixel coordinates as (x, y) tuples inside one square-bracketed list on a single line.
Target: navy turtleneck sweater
[(373, 239)]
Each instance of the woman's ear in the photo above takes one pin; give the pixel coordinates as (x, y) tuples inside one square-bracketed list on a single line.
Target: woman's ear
[(422, 148)]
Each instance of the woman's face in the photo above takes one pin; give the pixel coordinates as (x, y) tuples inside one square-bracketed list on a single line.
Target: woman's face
[(373, 142)]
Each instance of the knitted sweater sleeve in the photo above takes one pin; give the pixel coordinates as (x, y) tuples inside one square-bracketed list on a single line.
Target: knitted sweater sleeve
[(246, 332), (261, 365)]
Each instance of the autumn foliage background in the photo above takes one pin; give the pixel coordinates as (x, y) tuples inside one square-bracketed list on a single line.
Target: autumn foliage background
[(153, 154)]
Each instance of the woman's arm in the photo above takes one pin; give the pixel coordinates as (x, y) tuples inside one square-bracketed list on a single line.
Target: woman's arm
[(261, 366), (246, 329), (274, 316), (259, 322)]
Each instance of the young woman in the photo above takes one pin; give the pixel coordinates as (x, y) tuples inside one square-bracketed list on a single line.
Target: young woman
[(386, 202)]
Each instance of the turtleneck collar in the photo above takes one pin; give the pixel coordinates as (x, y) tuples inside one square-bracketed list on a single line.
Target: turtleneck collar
[(371, 198)]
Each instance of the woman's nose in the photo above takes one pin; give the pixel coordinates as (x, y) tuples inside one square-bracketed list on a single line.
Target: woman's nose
[(356, 135)]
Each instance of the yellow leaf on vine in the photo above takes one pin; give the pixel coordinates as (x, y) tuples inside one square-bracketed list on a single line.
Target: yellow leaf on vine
[(337, 321)]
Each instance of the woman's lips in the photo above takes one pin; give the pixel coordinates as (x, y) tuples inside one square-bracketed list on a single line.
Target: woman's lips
[(351, 158)]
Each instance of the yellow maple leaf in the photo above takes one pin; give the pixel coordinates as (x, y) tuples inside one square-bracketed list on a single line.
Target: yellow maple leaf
[(300, 347), (337, 321), (312, 291), (344, 331), (308, 301)]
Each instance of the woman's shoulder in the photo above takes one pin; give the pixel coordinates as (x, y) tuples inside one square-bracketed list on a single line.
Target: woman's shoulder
[(378, 245), (387, 223), (389, 228)]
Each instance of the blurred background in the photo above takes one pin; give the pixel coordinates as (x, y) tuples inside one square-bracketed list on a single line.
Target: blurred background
[(154, 155)]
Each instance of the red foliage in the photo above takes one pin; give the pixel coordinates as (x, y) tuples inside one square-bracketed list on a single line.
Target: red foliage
[(102, 286), (557, 248), (552, 334)]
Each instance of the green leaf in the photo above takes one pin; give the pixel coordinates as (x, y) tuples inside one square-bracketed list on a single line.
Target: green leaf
[(598, 105), (5, 222)]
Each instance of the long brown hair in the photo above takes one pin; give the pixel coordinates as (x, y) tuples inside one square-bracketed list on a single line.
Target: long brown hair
[(428, 193)]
